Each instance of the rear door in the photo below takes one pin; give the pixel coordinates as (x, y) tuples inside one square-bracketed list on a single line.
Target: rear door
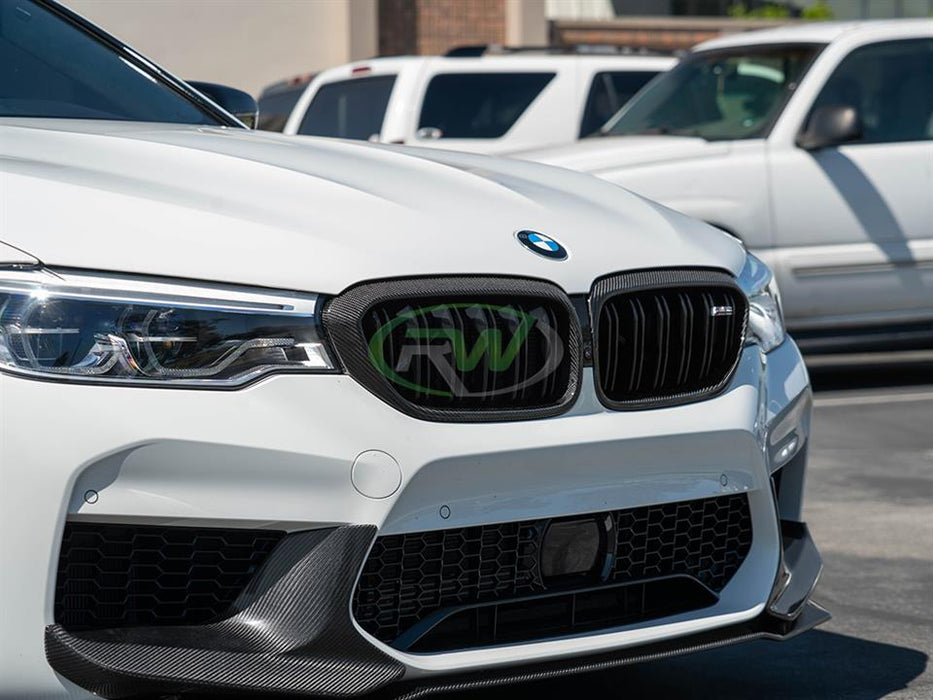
[(354, 108), (493, 105), (854, 223)]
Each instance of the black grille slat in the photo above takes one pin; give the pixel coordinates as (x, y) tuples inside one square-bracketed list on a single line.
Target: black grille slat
[(638, 334), (683, 346), (130, 575), (708, 337), (664, 342), (705, 540), (614, 358), (666, 337)]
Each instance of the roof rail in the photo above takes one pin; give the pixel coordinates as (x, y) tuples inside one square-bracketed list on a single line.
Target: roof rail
[(476, 50)]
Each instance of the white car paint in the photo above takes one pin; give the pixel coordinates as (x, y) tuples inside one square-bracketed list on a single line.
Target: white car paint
[(553, 118), (233, 206), (208, 212), (848, 230)]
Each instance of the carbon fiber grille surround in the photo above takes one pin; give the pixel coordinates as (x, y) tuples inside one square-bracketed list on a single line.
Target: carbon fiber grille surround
[(132, 575), (666, 337), (460, 348), (409, 578)]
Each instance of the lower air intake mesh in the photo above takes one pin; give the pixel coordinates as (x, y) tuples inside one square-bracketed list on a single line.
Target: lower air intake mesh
[(131, 575), (409, 578)]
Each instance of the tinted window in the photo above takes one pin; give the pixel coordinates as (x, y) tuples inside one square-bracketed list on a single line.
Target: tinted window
[(608, 93), (729, 94), (479, 105), (891, 87), (51, 68), (349, 109), (275, 107)]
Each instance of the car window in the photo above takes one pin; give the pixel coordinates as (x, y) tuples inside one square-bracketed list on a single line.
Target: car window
[(890, 85), (478, 105), (275, 107), (52, 68), (608, 92), (718, 95), (349, 109)]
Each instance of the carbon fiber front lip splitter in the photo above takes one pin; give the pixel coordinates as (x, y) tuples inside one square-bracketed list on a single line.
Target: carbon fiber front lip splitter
[(290, 632), (762, 627)]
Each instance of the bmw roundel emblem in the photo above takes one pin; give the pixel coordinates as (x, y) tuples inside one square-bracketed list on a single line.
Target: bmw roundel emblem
[(544, 246)]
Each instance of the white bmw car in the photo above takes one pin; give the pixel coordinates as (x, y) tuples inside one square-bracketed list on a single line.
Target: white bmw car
[(329, 418)]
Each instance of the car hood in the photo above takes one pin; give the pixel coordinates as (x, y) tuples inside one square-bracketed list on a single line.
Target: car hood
[(229, 205), (601, 154)]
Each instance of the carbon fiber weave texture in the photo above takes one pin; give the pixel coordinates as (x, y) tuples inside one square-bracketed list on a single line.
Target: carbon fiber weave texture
[(292, 634)]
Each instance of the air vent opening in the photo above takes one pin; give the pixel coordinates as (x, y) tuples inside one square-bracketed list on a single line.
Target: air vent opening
[(560, 615), (412, 581), (112, 575)]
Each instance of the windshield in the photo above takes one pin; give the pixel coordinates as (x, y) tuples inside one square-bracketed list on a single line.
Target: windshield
[(718, 95), (52, 68)]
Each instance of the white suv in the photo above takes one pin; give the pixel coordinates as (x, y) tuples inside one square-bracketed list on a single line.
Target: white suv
[(315, 417), (493, 103), (814, 145)]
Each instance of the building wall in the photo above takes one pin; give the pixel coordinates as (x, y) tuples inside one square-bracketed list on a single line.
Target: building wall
[(243, 43), (878, 9), (525, 23), (580, 9), (842, 9), (252, 43), (434, 26), (662, 33), (398, 27)]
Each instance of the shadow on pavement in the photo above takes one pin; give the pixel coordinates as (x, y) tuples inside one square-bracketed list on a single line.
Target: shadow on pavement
[(861, 372), (818, 664)]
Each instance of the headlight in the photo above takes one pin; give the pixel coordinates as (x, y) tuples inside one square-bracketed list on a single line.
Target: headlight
[(765, 317), (114, 330)]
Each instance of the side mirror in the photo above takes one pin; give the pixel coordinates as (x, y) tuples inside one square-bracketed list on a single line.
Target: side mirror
[(830, 126), (240, 104)]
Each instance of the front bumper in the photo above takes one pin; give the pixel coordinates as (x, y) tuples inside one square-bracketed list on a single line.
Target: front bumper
[(280, 455), (294, 636)]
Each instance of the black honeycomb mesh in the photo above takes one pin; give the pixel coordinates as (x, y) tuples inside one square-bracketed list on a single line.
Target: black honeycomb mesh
[(707, 539), (409, 577), (129, 575), (406, 577)]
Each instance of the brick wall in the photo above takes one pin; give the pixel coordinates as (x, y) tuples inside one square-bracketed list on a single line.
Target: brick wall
[(667, 33), (397, 27), (434, 26)]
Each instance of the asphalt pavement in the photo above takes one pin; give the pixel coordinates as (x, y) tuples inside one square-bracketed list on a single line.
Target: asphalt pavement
[(869, 505)]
